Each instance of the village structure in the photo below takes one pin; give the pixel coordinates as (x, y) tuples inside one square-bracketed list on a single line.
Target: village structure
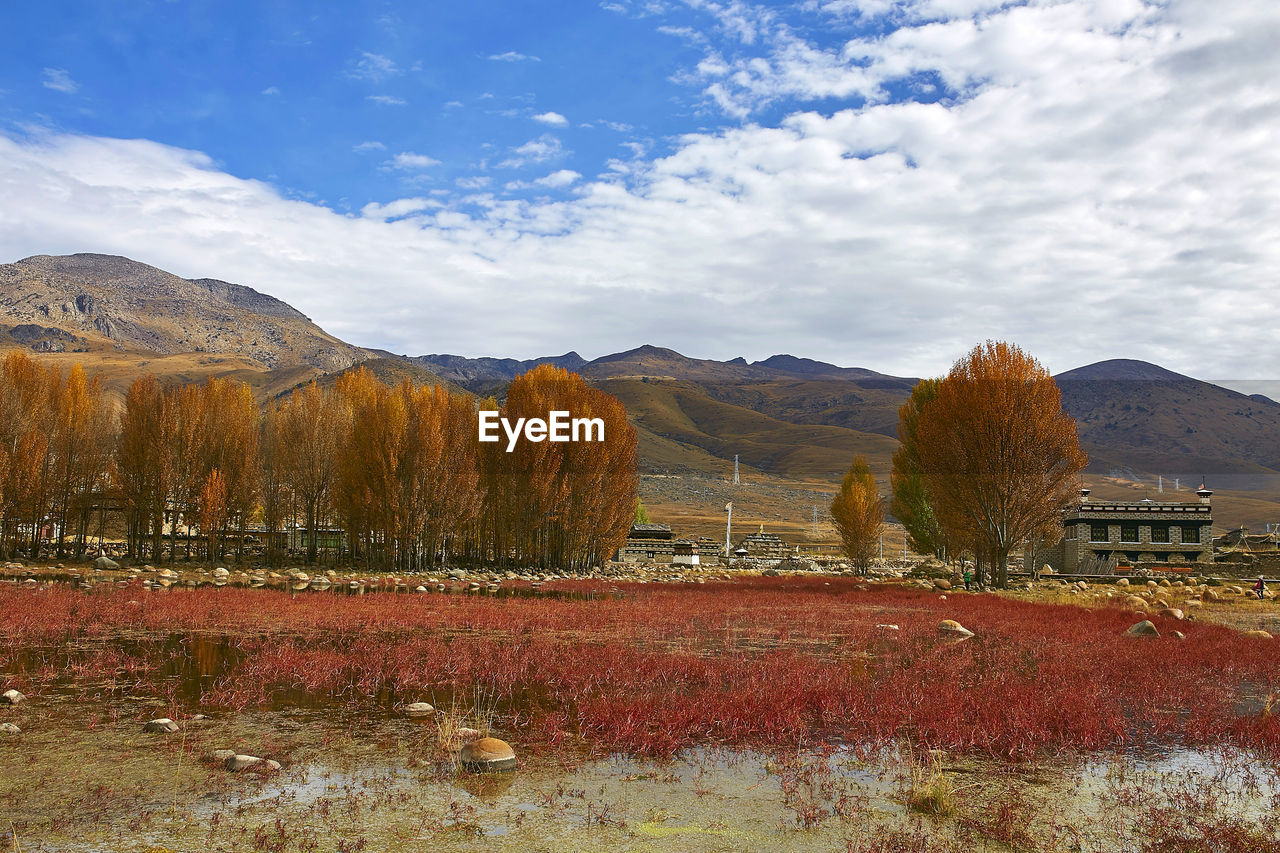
[(1105, 537), (654, 543)]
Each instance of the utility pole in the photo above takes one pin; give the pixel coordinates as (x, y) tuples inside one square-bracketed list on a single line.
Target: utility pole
[(1160, 483), (728, 528)]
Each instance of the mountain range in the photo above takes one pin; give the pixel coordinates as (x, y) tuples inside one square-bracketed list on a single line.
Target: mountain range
[(784, 416)]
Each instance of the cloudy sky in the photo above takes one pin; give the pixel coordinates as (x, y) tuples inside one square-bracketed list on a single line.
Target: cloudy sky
[(865, 182)]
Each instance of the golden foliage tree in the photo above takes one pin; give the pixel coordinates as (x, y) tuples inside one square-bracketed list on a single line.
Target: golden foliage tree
[(567, 504), (998, 454), (858, 512)]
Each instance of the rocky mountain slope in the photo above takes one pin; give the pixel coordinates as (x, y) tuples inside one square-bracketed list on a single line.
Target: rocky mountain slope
[(90, 302)]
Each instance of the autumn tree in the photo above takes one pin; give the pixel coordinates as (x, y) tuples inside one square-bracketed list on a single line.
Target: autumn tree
[(858, 512), (81, 438), (312, 426), (212, 510), (139, 471), (910, 503), (998, 455), (229, 444), (568, 504)]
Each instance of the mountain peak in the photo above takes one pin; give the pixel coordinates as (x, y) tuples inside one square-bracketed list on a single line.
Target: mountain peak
[(1123, 369)]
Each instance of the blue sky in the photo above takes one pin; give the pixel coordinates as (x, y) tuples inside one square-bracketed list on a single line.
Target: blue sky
[(866, 182), (347, 104)]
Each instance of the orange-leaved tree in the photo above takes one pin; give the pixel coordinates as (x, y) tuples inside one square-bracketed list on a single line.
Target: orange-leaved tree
[(858, 511), (998, 454)]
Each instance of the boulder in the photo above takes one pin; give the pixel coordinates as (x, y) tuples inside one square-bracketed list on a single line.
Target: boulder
[(487, 755), (1178, 635), (105, 563), (221, 755), (943, 585), (162, 726), (1122, 582), (1136, 602), (952, 628), (418, 709), (12, 697), (1145, 628), (1258, 634), (236, 763), (1172, 613), (1210, 595), (10, 729)]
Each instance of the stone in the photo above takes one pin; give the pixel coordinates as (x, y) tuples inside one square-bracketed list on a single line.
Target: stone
[(418, 709), (487, 755), (162, 726), (465, 734), (10, 729), (942, 584), (1192, 604), (105, 563), (952, 628), (221, 755), (1172, 613), (220, 572), (888, 627), (1122, 582), (1136, 602), (1178, 635), (1258, 635), (1145, 628), (1210, 595), (236, 763), (12, 697)]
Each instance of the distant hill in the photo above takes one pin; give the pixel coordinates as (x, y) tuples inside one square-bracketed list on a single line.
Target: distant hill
[(1140, 416), (484, 375), (92, 302)]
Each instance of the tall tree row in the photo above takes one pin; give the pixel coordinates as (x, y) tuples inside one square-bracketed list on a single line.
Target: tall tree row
[(396, 473), (56, 434)]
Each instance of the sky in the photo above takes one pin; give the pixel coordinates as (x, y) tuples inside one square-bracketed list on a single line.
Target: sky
[(870, 183)]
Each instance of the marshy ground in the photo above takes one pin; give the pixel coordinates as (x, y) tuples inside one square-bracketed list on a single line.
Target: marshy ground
[(753, 714)]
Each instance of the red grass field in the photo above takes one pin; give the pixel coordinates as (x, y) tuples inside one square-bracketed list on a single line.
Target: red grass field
[(650, 669)]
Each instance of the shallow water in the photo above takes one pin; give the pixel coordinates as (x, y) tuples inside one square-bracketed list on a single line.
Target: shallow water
[(83, 777)]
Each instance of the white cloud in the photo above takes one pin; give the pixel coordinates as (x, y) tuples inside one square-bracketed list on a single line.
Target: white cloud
[(371, 145), (553, 119), (513, 56), (270, 90), (540, 150), (1101, 186), (476, 182), (397, 209), (59, 80), (558, 179), (409, 160), (372, 67), (386, 100)]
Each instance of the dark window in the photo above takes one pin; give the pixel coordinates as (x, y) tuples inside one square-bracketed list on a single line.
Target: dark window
[(1098, 533), (1128, 533), (1159, 533), (1190, 534)]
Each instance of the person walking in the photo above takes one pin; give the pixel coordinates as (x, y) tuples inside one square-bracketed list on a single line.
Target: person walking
[(968, 576), (1260, 587)]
